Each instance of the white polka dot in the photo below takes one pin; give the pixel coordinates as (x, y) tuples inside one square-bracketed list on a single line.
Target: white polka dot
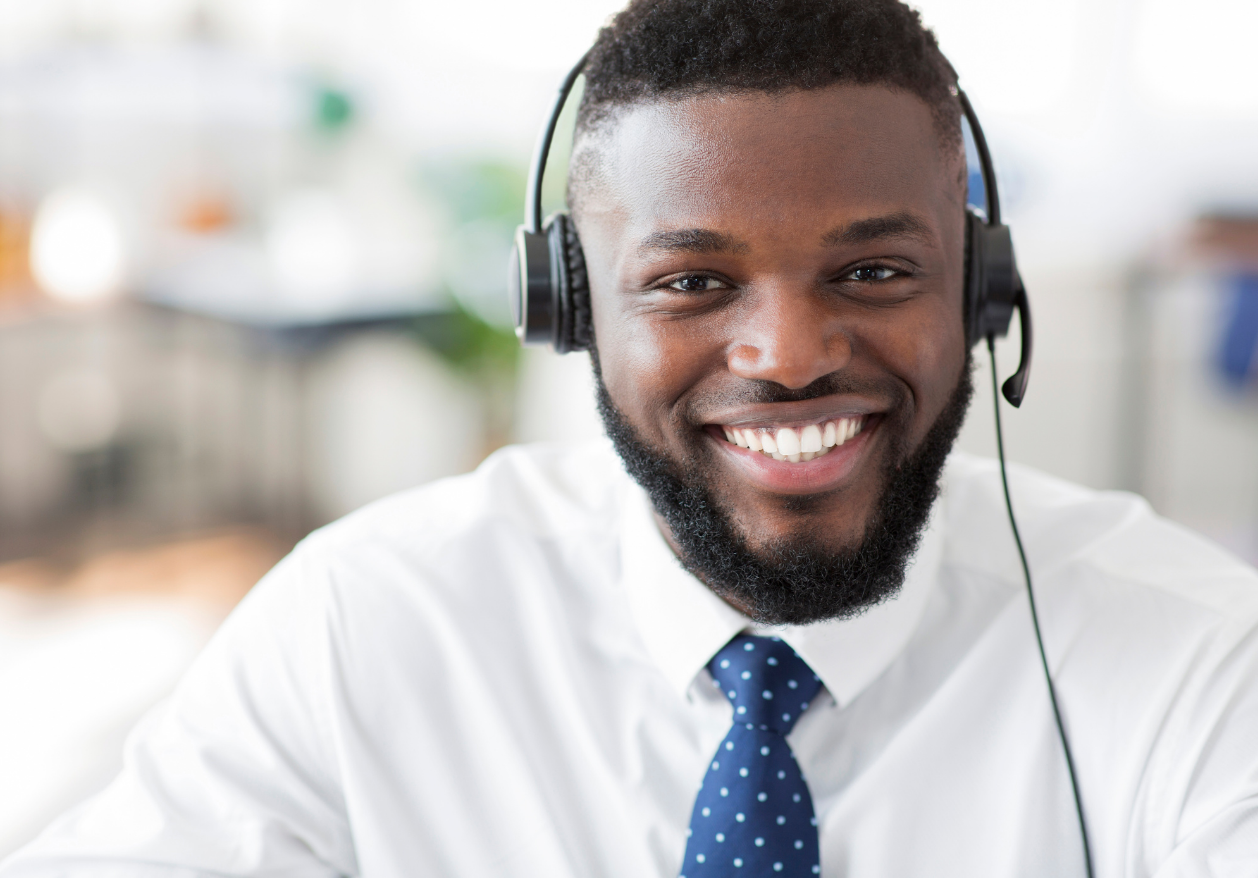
[(740, 816), (799, 845), (729, 745), (762, 797), (804, 706), (689, 832), (816, 870), (790, 683), (764, 751), (725, 663), (715, 765), (781, 775), (794, 798), (733, 694), (749, 646), (786, 717), (813, 821), (699, 858), (738, 861), (742, 709), (781, 820), (720, 836), (746, 675), (766, 695), (760, 842), (742, 772), (773, 661), (707, 812), (725, 791), (777, 867)]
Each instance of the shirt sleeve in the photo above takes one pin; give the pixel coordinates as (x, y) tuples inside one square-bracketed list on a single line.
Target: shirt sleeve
[(1204, 787), (236, 773), (1226, 846)]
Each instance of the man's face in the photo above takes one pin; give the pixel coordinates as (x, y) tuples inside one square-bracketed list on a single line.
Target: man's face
[(777, 264)]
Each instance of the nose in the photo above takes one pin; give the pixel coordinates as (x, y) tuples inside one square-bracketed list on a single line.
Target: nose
[(790, 337)]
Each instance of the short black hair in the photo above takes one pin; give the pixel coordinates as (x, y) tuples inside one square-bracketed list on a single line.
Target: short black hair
[(677, 48)]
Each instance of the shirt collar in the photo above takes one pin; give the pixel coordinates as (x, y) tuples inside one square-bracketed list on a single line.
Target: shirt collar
[(684, 624)]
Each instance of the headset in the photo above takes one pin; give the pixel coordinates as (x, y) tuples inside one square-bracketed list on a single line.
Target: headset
[(550, 301), (550, 293)]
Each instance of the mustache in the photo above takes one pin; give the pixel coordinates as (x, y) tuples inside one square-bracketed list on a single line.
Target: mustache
[(755, 391)]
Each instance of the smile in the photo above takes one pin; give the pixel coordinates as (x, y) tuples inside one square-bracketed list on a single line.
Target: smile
[(796, 444)]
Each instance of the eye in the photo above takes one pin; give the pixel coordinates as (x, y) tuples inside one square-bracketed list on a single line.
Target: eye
[(872, 273), (696, 283)]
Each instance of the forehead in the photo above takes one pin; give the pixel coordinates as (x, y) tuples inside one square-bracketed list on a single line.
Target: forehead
[(761, 157)]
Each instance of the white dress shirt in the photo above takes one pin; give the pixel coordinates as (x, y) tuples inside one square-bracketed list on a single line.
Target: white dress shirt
[(502, 674)]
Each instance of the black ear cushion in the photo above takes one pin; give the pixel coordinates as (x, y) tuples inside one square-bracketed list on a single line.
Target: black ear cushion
[(972, 284), (578, 327)]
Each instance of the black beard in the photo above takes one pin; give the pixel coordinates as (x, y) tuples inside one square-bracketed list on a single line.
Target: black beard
[(793, 581)]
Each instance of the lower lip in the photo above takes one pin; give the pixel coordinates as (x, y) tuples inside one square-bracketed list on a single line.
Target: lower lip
[(823, 473)]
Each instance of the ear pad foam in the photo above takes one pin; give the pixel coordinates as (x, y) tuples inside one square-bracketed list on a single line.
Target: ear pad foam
[(573, 327), (972, 277)]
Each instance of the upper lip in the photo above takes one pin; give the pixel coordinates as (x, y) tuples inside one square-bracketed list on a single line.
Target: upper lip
[(791, 414)]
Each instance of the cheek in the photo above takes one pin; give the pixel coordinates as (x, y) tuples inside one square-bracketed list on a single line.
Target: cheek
[(927, 353), (648, 363)]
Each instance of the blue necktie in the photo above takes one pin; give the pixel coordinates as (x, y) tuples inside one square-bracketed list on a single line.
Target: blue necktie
[(753, 815)]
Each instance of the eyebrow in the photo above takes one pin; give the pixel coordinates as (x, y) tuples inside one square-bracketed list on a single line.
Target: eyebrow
[(693, 241), (878, 228)]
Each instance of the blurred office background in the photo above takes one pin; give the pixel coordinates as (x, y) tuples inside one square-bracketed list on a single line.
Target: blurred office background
[(252, 260)]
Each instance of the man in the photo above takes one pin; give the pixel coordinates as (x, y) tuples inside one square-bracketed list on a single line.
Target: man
[(513, 674)]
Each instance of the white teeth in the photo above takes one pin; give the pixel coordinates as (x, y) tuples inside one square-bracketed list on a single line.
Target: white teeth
[(788, 441), (827, 435), (796, 443), (810, 439)]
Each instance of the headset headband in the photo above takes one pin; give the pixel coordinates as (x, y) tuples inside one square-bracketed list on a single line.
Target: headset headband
[(533, 204)]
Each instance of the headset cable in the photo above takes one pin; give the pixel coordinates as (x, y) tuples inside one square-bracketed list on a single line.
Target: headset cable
[(1035, 617)]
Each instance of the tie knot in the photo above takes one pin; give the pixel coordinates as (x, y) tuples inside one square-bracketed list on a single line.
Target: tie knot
[(768, 684)]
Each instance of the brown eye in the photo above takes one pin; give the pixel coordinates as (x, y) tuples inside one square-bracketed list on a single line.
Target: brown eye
[(696, 284), (872, 273)]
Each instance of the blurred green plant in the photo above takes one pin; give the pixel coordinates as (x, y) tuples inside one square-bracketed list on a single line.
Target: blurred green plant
[(478, 190), (469, 344), (483, 200)]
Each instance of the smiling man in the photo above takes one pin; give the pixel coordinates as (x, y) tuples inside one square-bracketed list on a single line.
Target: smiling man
[(793, 638)]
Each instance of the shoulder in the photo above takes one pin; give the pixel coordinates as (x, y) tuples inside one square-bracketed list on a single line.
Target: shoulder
[(545, 490), (547, 515), (1109, 542)]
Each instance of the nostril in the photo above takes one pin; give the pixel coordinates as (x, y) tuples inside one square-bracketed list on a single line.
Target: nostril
[(792, 358)]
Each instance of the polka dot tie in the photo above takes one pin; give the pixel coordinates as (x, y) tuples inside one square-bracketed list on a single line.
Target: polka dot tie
[(753, 815)]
